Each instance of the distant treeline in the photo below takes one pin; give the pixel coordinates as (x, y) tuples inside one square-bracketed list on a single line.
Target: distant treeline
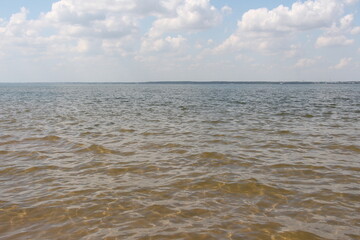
[(246, 82), (190, 82)]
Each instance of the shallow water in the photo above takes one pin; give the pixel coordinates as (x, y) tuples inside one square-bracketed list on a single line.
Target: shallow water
[(179, 161)]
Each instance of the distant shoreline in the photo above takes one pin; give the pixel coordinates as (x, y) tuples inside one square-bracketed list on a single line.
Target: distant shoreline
[(193, 82), (248, 82)]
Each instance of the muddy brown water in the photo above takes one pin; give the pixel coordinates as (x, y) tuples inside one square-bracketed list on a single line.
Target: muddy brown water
[(179, 161)]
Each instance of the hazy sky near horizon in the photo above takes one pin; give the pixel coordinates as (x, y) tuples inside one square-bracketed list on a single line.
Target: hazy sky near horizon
[(186, 40)]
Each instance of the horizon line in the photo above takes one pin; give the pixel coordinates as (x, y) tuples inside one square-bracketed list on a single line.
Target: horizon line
[(196, 82)]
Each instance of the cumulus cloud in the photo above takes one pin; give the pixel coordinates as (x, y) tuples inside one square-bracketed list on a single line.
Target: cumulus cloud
[(355, 30), (329, 41), (168, 32), (336, 34), (187, 15), (111, 26), (226, 10), (99, 19), (301, 16), (350, 2), (263, 29), (244, 58), (161, 44), (70, 27), (17, 25), (342, 63), (306, 62)]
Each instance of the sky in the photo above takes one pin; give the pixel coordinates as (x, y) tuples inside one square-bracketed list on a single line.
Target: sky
[(179, 40)]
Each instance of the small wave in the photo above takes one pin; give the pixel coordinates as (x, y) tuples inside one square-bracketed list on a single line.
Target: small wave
[(126, 153), (283, 114), (85, 134), (249, 187), (352, 148), (178, 151), (151, 133), (4, 152), (97, 149), (8, 170), (214, 121), (253, 187), (257, 130), (218, 141), (198, 212), (284, 132), (5, 136), (211, 155), (239, 102), (219, 135), (35, 155), (20, 171), (50, 138), (133, 169), (161, 146), (126, 130), (9, 142), (296, 166), (298, 235), (39, 168), (280, 146), (118, 171), (161, 210)]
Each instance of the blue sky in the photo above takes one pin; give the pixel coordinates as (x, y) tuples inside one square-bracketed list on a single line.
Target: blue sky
[(165, 40), (35, 7)]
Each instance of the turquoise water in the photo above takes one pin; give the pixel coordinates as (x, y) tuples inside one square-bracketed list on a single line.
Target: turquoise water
[(179, 161)]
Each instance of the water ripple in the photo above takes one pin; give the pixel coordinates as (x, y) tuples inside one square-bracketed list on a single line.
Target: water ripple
[(117, 161)]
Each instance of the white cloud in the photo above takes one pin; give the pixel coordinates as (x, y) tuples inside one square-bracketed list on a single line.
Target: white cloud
[(84, 12), (355, 30), (71, 27), (226, 10), (329, 41), (19, 18), (160, 44), (346, 21), (292, 51), (342, 63), (83, 45), (350, 2), (188, 15), (344, 26), (301, 16), (166, 33), (336, 34), (244, 58), (102, 19), (110, 26), (306, 62), (16, 25), (265, 30)]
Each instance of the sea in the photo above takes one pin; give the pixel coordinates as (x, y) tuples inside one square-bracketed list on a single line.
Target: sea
[(179, 161)]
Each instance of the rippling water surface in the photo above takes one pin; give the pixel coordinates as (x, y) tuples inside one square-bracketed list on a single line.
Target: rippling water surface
[(191, 161)]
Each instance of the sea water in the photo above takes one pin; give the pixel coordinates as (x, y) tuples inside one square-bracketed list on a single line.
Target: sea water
[(179, 161)]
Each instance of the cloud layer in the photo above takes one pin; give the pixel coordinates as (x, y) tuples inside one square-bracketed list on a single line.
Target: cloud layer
[(176, 34), (263, 29)]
